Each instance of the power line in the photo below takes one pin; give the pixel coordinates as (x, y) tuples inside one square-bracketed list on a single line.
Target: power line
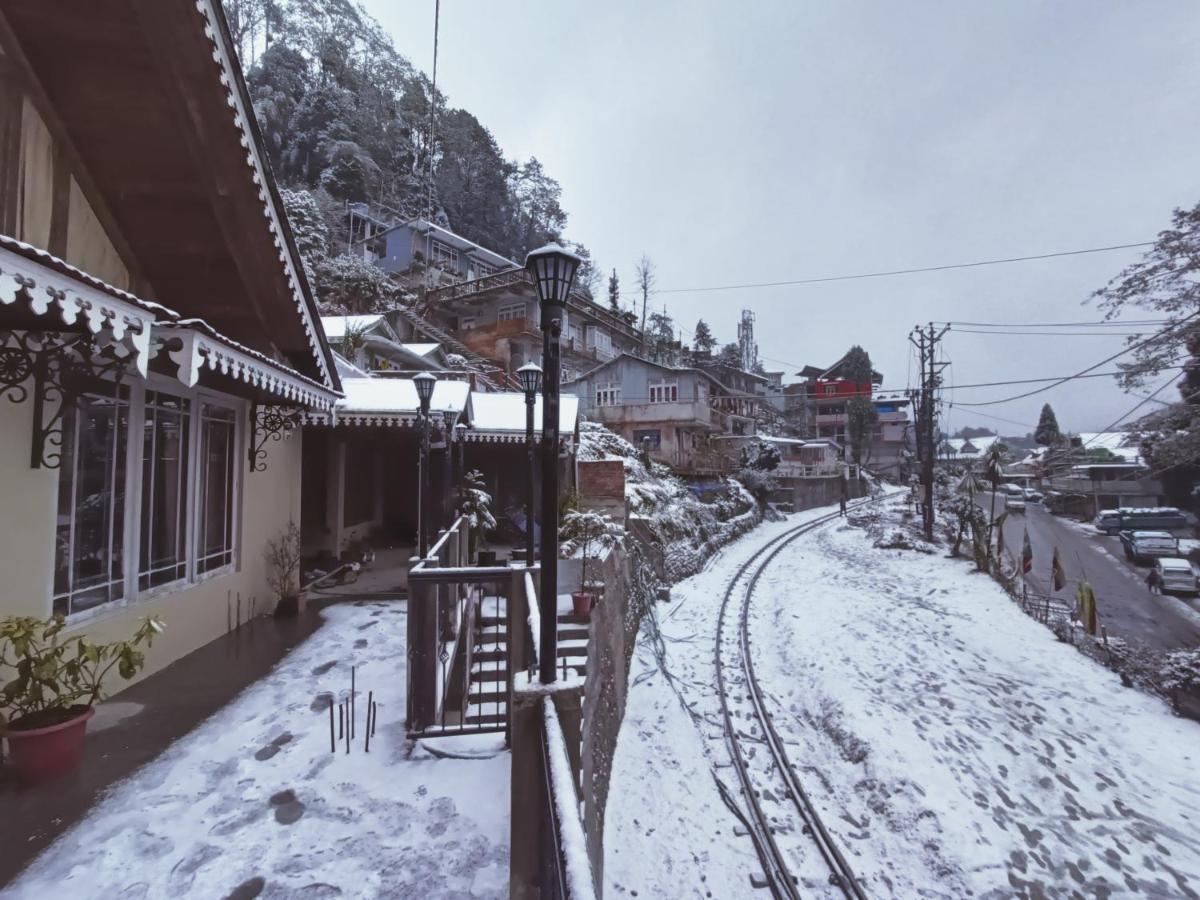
[(1090, 368), (1106, 322), (1051, 333), (914, 271)]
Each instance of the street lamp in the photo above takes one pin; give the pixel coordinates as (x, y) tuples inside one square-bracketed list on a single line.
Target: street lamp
[(424, 382), (448, 418), (531, 382), (553, 269)]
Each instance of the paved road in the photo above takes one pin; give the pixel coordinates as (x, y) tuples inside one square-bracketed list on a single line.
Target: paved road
[(1127, 608)]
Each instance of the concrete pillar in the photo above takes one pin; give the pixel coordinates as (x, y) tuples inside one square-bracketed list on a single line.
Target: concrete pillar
[(422, 653)]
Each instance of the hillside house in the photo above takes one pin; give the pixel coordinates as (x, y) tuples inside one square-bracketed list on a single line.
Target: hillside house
[(497, 317), (159, 337), (674, 413), (370, 343), (421, 247)]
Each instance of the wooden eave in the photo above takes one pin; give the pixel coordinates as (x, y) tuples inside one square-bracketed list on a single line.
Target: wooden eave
[(150, 95)]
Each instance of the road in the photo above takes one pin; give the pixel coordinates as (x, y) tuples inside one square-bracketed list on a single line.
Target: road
[(1126, 606)]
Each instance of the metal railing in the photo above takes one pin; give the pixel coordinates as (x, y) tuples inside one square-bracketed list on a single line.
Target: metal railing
[(467, 634)]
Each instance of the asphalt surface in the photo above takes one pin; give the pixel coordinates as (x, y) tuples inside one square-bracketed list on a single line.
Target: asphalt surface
[(1127, 608)]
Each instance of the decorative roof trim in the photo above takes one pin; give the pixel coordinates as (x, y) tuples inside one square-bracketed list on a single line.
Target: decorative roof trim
[(201, 346), (258, 174), (77, 299)]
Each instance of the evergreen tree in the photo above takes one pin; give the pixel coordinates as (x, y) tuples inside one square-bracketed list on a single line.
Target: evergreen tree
[(703, 341), (662, 327), (861, 415), (614, 292), (730, 355), (1047, 433)]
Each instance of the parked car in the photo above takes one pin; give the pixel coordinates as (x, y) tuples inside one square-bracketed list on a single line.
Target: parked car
[(1011, 489), (1146, 518), (1143, 547), (1033, 496), (1015, 503), (1174, 575)]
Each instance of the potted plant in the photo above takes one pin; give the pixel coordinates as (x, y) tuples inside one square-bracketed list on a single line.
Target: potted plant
[(477, 507), (44, 711), (586, 532), (283, 566)]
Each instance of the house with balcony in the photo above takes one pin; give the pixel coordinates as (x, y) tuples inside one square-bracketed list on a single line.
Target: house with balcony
[(816, 408), (419, 247), (676, 414), (497, 318), (369, 343)]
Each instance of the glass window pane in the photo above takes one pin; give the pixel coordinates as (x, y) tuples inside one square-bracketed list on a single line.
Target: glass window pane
[(215, 536), (89, 559), (164, 490)]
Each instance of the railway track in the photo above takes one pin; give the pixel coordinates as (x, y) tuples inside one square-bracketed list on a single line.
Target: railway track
[(782, 871)]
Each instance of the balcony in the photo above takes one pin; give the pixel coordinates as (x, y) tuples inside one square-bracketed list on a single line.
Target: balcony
[(695, 413)]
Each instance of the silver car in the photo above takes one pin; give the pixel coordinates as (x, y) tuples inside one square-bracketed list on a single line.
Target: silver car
[(1172, 575)]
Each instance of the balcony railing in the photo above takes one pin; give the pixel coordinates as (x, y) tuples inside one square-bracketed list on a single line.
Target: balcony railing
[(467, 634)]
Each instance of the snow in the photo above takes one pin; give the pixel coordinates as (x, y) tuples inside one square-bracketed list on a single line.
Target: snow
[(213, 812), (337, 326), (577, 866), (953, 746), (505, 411), (421, 349), (399, 395)]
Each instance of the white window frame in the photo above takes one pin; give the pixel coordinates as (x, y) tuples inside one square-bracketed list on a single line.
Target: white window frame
[(609, 394), (664, 392), (511, 312), (466, 323), (131, 536), (442, 254)]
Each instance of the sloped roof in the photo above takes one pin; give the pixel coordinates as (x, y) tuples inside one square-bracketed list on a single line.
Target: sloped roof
[(399, 395), (505, 412), (337, 326), (151, 100)]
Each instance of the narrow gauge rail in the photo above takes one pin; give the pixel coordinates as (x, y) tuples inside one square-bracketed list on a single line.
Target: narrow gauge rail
[(776, 868)]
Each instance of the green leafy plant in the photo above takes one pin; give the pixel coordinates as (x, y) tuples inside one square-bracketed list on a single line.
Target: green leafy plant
[(477, 507), (56, 679)]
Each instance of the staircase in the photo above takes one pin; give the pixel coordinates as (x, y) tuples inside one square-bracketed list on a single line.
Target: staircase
[(487, 693)]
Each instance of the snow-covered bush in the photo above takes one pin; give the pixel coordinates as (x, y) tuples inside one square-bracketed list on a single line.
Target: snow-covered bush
[(759, 483), (477, 506), (587, 533), (456, 361), (685, 529)]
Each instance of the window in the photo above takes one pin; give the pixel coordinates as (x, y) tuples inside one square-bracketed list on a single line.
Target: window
[(568, 374), (483, 269), (599, 340), (608, 394), (831, 389), (164, 490), (664, 392), (574, 341), (214, 535), (465, 323), (89, 566), (511, 312), (650, 439), (443, 255)]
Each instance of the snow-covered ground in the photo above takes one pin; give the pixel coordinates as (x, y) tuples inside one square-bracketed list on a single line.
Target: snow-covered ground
[(955, 748), (254, 799)]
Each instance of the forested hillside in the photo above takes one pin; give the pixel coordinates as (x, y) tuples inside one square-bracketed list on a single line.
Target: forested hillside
[(346, 118)]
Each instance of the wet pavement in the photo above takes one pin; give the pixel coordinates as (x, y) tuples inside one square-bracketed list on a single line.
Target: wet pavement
[(1127, 608)]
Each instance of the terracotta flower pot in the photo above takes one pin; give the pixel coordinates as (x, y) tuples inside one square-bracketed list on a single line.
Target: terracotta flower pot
[(582, 603), (42, 754)]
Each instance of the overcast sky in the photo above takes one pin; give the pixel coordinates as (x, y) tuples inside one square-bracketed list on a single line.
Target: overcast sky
[(769, 141)]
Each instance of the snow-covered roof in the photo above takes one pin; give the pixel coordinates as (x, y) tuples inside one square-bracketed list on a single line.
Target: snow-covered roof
[(421, 349), (504, 412), (1122, 443), (968, 448), (337, 326), (347, 369), (391, 401), (890, 396)]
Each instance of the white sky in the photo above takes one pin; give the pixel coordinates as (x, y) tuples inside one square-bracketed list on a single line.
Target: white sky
[(768, 141)]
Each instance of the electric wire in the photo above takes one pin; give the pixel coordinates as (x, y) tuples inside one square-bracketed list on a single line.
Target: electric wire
[(886, 274)]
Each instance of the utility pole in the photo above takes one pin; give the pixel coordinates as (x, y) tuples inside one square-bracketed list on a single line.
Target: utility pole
[(926, 341)]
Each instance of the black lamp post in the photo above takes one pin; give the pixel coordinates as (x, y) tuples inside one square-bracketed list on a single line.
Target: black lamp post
[(447, 469), (531, 382), (424, 383), (460, 441), (553, 270)]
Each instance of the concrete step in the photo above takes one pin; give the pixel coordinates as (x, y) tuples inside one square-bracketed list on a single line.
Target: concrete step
[(572, 634), (479, 674), (489, 719)]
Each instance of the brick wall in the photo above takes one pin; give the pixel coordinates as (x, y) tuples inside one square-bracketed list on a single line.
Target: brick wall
[(602, 487)]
